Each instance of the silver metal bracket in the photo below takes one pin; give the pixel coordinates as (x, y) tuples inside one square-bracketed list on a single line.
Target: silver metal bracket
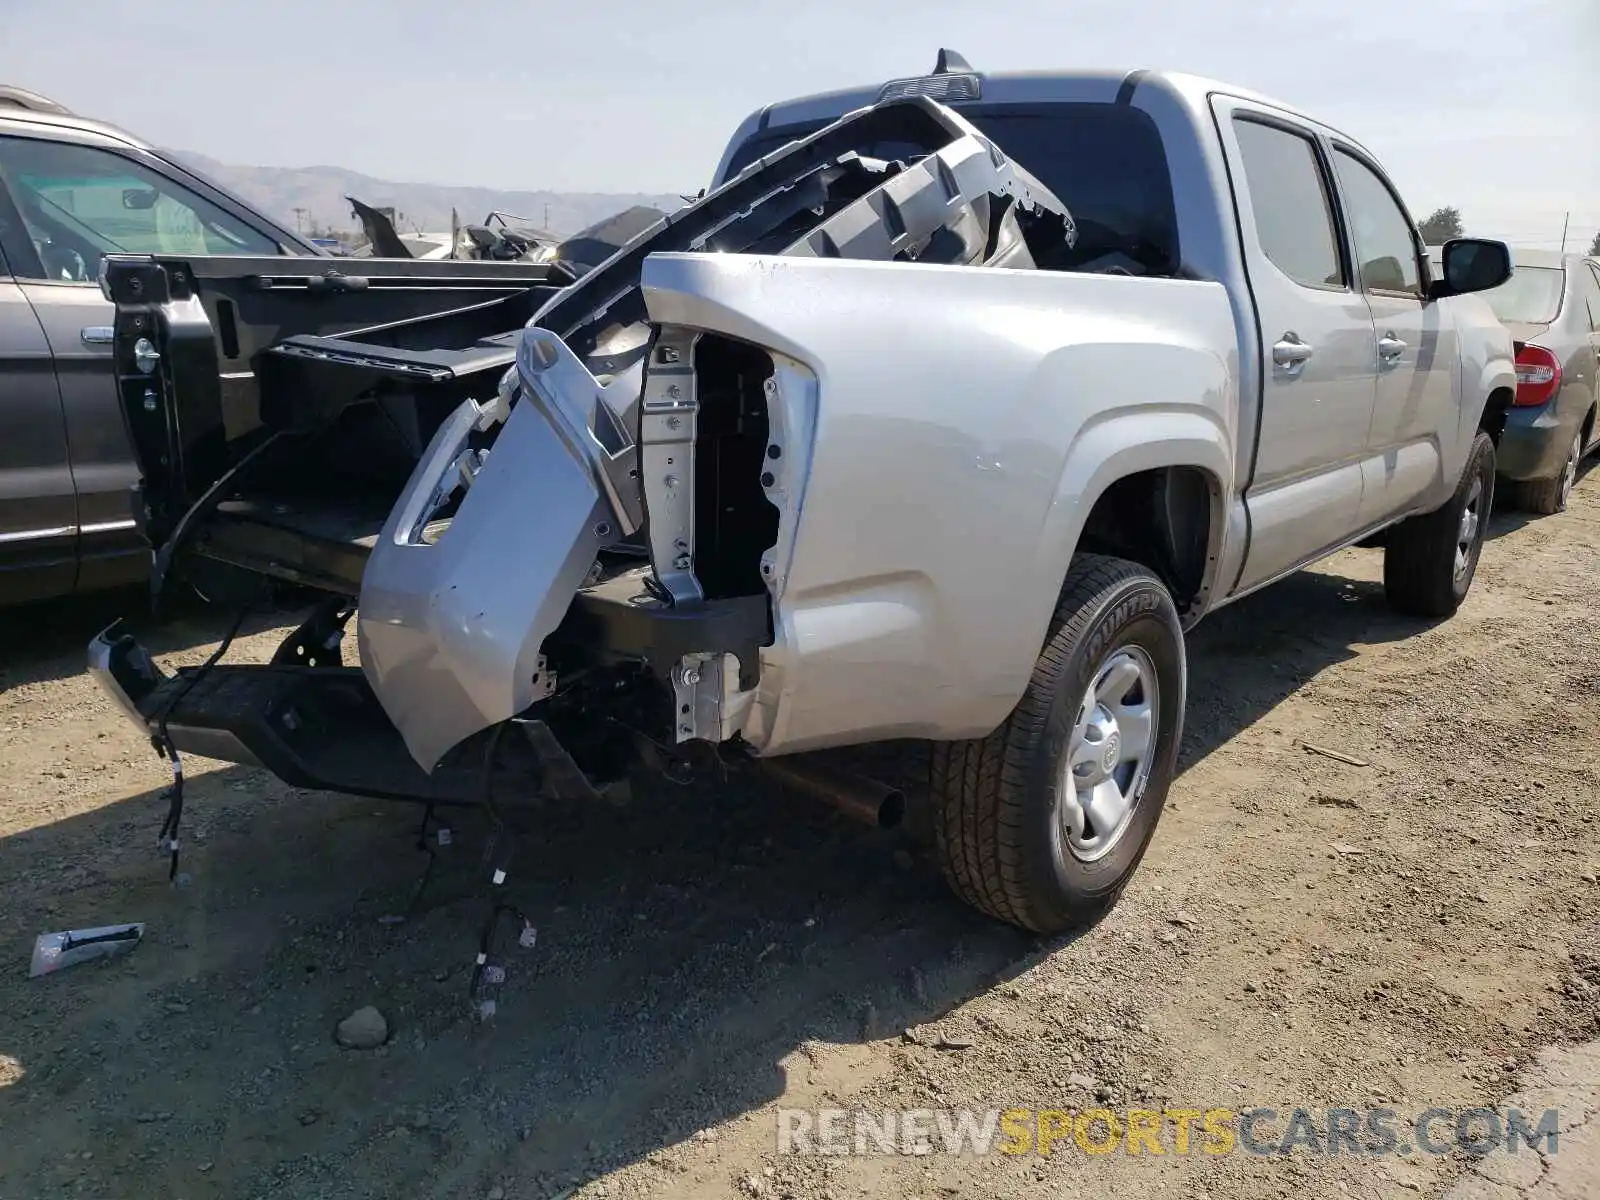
[(668, 409), (544, 681), (697, 686)]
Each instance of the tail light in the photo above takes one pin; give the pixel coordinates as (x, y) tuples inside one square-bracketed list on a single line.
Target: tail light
[(1538, 375)]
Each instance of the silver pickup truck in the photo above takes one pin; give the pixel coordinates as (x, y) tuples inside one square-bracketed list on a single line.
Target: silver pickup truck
[(941, 416)]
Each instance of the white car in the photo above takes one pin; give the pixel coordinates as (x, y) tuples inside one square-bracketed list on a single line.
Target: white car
[(1551, 306)]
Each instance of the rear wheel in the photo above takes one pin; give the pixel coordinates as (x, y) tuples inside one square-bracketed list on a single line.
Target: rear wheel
[(1549, 496), (1431, 558), (1042, 823)]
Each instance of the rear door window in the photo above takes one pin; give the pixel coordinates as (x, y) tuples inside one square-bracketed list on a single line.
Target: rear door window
[(1289, 200)]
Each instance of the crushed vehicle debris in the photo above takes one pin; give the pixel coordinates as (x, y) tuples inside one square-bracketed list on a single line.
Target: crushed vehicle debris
[(823, 458), (503, 237), (53, 952)]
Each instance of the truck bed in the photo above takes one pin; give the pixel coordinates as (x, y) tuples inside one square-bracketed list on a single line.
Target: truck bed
[(321, 542)]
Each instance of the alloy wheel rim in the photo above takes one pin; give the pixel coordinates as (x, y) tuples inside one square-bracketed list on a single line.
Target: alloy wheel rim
[(1569, 472), (1110, 754), (1467, 531)]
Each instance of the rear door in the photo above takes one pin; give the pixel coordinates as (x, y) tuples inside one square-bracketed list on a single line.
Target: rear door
[(1318, 369), (38, 508), (1414, 348), (78, 202)]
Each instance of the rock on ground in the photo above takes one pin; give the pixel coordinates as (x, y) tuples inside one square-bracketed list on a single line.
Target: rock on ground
[(363, 1029)]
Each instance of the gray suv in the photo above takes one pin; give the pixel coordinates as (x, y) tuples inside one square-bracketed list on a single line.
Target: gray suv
[(72, 190)]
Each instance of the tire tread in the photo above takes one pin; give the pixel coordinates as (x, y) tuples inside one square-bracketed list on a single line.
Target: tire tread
[(1418, 561), (1540, 496), (977, 786)]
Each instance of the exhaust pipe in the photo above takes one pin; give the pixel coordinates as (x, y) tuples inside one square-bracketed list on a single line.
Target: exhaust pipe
[(856, 796)]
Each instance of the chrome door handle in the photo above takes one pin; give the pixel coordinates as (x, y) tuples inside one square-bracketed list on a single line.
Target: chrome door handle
[(97, 335), (1289, 351), (1390, 348)]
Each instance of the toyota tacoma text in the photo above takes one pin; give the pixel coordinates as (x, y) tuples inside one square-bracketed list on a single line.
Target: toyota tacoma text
[(940, 416)]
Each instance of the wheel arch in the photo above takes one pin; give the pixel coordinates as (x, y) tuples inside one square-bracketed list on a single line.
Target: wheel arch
[(1492, 416), (1131, 488)]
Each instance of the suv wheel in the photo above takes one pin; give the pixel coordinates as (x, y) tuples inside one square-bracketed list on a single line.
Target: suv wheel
[(1430, 559), (1043, 822)]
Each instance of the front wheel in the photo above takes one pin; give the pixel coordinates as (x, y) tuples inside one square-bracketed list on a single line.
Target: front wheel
[(1042, 823), (1430, 559)]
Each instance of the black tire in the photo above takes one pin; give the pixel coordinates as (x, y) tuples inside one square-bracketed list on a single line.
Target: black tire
[(1547, 497), (1419, 563), (996, 801)]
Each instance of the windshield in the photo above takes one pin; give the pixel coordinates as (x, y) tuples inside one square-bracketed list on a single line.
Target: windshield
[(1532, 295), (1105, 162)]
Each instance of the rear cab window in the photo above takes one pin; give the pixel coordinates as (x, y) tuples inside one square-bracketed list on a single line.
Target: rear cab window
[(1532, 295), (1104, 161)]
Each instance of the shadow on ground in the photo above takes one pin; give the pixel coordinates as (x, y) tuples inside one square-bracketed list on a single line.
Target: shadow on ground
[(1508, 518), (687, 944), (48, 640)]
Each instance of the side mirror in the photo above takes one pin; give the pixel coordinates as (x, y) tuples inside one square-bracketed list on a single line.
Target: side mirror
[(138, 199), (1471, 265)]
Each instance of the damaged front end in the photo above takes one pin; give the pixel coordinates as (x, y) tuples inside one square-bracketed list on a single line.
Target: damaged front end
[(596, 545)]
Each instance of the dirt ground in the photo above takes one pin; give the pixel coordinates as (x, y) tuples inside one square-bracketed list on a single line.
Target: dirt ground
[(1304, 932)]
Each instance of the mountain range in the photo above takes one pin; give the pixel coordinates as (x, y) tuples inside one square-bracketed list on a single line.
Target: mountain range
[(319, 195)]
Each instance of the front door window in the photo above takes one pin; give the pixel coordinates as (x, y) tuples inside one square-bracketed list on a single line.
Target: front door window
[(1386, 246)]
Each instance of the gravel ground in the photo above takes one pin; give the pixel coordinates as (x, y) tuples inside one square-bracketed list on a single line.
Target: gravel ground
[(1305, 932)]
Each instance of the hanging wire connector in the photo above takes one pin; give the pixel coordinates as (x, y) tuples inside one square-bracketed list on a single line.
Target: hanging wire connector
[(488, 969), (161, 741)]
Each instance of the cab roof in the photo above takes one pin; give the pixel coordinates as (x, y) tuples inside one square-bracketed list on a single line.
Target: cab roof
[(1021, 86), (1069, 85)]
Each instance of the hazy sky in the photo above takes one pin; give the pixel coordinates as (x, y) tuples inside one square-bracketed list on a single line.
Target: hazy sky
[(1491, 105)]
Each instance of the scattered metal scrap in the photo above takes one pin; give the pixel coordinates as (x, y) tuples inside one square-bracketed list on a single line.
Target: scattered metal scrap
[(1336, 755), (69, 947)]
